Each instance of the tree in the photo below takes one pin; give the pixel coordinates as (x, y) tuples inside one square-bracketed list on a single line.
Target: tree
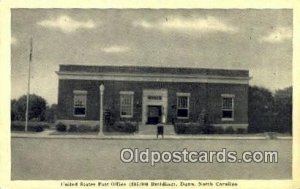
[(283, 109), (13, 114), (260, 109), (36, 109), (50, 113)]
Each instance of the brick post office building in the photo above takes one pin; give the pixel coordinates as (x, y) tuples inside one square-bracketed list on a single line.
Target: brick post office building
[(151, 95)]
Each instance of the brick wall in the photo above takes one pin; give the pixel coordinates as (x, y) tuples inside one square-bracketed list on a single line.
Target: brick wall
[(215, 102), (202, 96)]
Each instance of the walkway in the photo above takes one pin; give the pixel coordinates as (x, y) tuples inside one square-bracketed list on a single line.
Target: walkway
[(152, 129), (148, 135)]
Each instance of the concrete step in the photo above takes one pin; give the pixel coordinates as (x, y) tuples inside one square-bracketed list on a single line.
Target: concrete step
[(152, 129)]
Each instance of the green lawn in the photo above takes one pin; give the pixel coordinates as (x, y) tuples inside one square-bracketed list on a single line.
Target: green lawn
[(41, 158)]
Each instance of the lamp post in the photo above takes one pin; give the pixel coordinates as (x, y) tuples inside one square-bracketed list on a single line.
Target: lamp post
[(101, 88)]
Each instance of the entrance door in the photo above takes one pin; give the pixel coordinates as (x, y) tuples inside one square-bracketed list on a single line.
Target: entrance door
[(154, 114), (155, 106)]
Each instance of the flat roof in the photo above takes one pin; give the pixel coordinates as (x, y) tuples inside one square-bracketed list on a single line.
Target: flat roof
[(152, 70)]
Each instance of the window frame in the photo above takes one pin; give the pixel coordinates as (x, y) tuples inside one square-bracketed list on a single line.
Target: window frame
[(232, 96), (80, 93), (131, 94), (178, 95)]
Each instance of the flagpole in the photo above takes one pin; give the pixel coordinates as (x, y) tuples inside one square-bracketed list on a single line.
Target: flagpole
[(28, 86)]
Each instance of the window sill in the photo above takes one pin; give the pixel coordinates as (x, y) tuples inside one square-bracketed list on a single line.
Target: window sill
[(79, 115), (227, 119), (126, 116), (182, 117)]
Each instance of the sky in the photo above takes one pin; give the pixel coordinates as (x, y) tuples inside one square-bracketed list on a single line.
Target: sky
[(258, 40)]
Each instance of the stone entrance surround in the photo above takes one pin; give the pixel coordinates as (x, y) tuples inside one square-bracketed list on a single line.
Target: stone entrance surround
[(155, 97)]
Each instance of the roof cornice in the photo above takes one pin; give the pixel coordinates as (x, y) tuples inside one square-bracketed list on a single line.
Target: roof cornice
[(189, 78)]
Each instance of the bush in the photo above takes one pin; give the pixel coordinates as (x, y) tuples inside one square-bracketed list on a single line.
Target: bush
[(84, 128), (119, 126), (95, 128), (219, 130), (123, 126), (193, 128), (229, 130), (179, 128), (209, 129), (29, 128), (73, 128), (188, 128), (39, 129), (61, 127), (241, 131), (130, 127), (87, 128), (17, 127), (32, 126)]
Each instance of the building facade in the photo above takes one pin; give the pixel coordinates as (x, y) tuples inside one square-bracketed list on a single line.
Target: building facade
[(152, 95)]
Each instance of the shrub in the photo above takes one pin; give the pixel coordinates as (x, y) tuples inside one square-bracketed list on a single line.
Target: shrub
[(15, 126), (209, 129), (87, 128), (188, 128), (61, 127), (124, 126), (193, 128), (73, 128), (219, 130), (130, 127), (32, 126), (84, 128), (229, 130), (39, 129), (241, 131), (119, 126), (179, 128), (96, 128), (77, 128)]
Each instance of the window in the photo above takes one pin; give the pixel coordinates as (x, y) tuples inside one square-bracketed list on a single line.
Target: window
[(126, 102), (227, 107), (79, 103), (183, 105)]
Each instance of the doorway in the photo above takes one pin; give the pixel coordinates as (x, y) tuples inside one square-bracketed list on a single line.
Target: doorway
[(154, 114), (155, 106)]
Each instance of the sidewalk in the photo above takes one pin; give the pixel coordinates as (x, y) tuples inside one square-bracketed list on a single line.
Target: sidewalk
[(137, 136)]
